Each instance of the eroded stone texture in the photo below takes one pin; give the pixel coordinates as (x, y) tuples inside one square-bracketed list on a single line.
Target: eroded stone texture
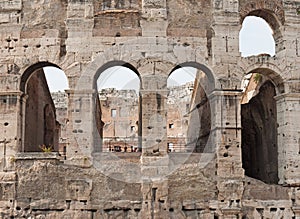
[(153, 38), (194, 15)]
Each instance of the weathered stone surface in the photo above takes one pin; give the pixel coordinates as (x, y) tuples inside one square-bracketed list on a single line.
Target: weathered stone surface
[(153, 38)]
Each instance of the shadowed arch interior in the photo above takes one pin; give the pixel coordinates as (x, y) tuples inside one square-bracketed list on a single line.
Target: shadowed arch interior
[(259, 135), (40, 128), (259, 125)]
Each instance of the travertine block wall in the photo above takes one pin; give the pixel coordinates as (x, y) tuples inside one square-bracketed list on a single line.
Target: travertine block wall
[(152, 38)]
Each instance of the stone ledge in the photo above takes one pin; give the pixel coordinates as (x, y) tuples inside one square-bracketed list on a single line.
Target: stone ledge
[(288, 96), (37, 156), (109, 11), (231, 211)]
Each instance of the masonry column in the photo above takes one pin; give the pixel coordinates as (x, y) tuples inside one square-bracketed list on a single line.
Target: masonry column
[(22, 104), (226, 132), (10, 135), (154, 119), (154, 160), (288, 116), (82, 126)]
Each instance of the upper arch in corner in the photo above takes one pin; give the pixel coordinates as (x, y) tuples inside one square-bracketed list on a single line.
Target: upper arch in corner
[(272, 11), (201, 67), (256, 37), (114, 64), (31, 69), (269, 16)]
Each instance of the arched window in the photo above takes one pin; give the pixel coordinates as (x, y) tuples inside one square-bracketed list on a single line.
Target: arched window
[(44, 111), (118, 109), (188, 117), (256, 37)]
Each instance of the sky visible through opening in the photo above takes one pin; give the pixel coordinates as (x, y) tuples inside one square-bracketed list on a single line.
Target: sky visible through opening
[(256, 37), (119, 77)]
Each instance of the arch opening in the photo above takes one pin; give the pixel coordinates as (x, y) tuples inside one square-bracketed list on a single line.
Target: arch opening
[(44, 109), (189, 115), (118, 109), (257, 37), (259, 127)]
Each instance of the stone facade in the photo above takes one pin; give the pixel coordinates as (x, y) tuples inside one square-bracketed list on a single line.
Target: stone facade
[(153, 38)]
